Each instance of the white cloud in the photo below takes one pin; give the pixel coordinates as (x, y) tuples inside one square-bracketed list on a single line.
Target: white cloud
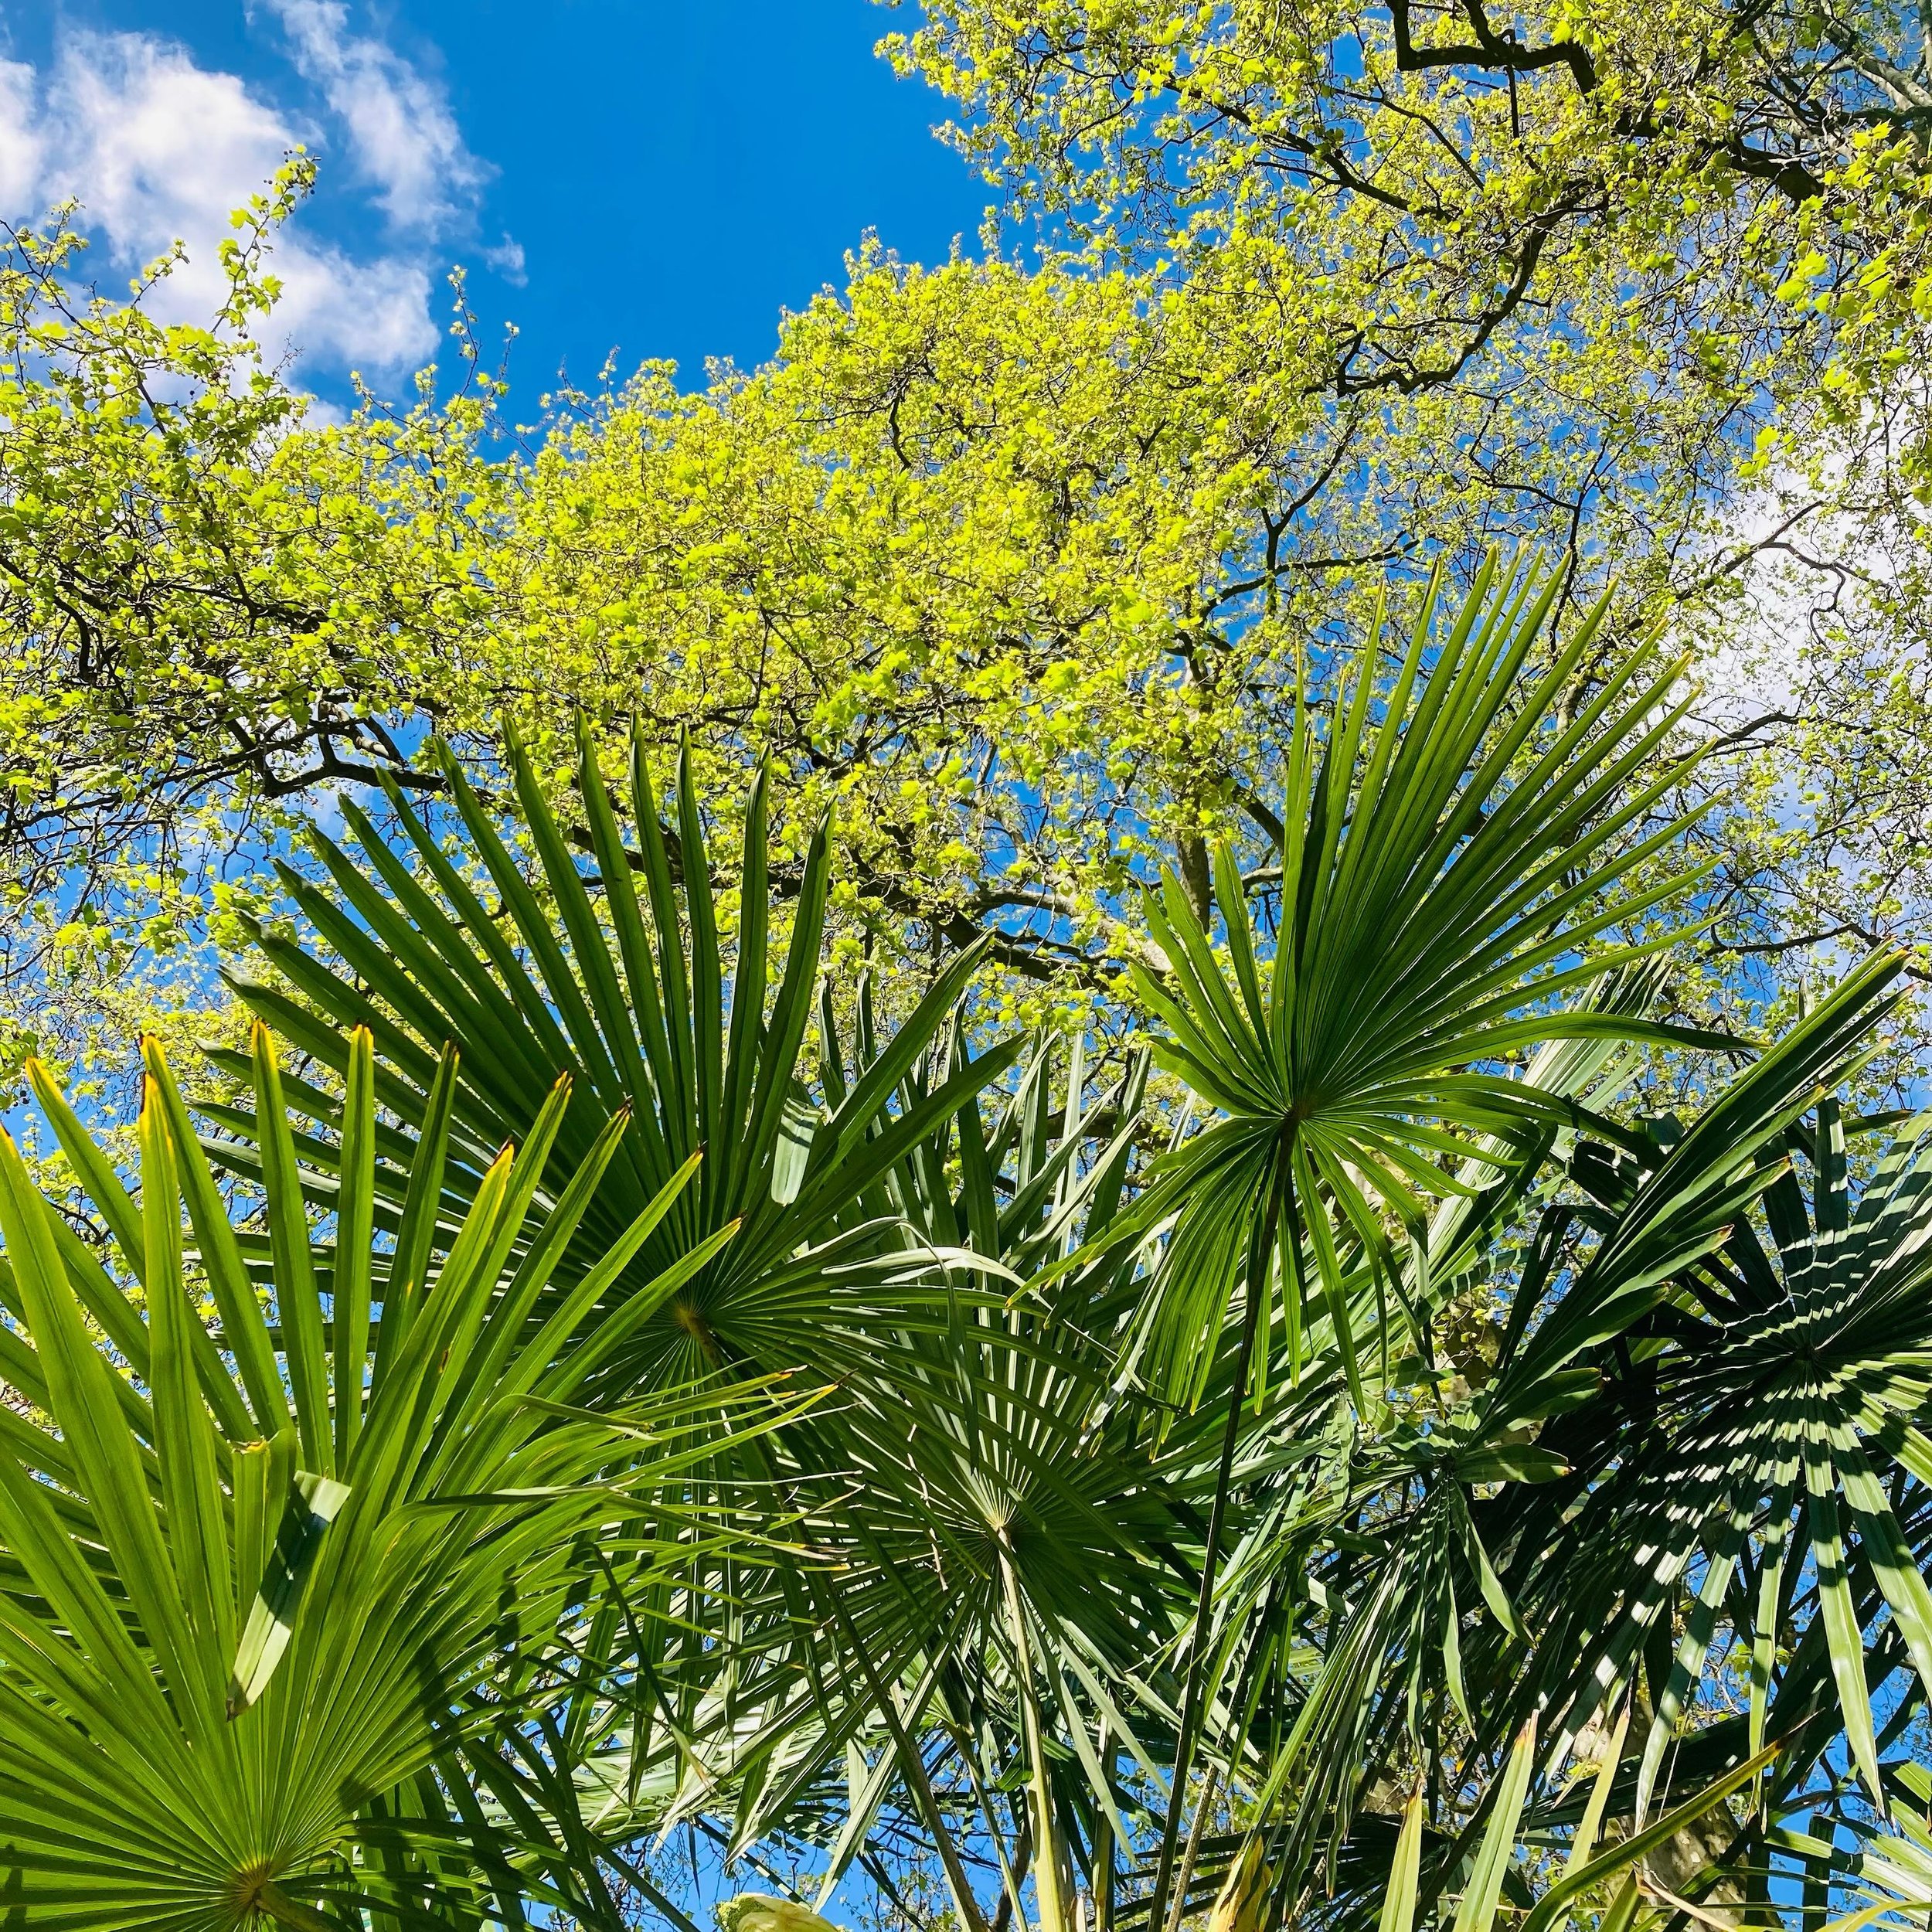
[(158, 149), (374, 315), (402, 136), (20, 141), (156, 146), (505, 258)]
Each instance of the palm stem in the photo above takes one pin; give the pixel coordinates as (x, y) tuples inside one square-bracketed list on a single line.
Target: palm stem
[(913, 1768), (1210, 1790), (1258, 1260), (1053, 1883), (1103, 1871)]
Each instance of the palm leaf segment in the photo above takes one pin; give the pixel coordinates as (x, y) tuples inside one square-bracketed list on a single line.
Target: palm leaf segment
[(250, 1589), (1451, 845), (1888, 1871), (658, 1027), (1786, 1384)]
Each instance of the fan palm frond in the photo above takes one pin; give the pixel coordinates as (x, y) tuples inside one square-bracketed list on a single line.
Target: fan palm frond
[(251, 1574)]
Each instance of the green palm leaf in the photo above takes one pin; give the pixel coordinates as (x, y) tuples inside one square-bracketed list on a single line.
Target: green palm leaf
[(1454, 847), (217, 1659), (661, 1029), (1453, 843)]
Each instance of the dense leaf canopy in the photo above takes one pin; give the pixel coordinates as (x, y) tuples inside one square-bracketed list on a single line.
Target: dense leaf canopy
[(1027, 557)]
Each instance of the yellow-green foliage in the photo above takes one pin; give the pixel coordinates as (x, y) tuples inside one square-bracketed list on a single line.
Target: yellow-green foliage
[(1022, 558)]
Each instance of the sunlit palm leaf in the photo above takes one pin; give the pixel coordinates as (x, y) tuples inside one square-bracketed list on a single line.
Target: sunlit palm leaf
[(634, 995), (239, 1610)]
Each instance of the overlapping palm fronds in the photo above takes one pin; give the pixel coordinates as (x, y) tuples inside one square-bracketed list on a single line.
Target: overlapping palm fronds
[(1451, 849), (1515, 1555), (258, 1581), (1780, 1399), (995, 1548), (621, 980), (1404, 1485)]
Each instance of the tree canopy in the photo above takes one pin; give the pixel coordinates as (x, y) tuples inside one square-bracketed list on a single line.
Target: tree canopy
[(1025, 556)]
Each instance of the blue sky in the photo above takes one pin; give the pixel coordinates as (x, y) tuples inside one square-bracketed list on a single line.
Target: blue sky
[(659, 178)]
